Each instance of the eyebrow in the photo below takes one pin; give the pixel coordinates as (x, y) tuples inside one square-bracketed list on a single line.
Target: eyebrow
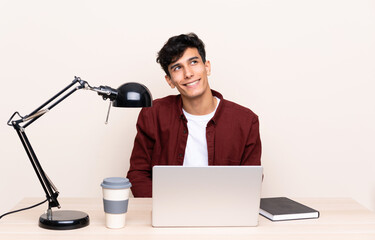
[(175, 65)]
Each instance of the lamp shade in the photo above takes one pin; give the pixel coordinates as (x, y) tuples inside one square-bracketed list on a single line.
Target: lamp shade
[(133, 95)]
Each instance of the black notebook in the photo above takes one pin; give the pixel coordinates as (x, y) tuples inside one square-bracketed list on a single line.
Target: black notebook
[(282, 208)]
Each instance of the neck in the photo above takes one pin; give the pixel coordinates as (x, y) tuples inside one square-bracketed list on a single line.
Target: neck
[(200, 106)]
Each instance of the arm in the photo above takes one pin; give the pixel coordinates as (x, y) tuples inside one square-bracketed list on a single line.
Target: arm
[(253, 148), (140, 172)]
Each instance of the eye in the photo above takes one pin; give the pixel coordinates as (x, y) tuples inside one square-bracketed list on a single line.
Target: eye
[(176, 68), (194, 62)]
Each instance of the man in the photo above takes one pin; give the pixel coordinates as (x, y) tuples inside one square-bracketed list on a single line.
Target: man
[(196, 128)]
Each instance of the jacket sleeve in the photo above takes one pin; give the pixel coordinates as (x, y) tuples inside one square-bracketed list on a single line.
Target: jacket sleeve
[(253, 148), (140, 171)]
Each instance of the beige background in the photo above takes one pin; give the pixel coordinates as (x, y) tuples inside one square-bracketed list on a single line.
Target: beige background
[(305, 67)]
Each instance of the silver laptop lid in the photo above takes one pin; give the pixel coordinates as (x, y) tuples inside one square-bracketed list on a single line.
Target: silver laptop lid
[(206, 196)]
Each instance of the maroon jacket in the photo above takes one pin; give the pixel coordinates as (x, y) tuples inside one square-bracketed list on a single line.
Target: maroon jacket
[(232, 139)]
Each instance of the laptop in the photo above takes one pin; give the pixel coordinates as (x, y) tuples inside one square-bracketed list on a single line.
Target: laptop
[(210, 196)]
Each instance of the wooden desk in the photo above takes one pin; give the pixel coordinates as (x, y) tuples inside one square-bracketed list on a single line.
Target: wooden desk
[(340, 219)]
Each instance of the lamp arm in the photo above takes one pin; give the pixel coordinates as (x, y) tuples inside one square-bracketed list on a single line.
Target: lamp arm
[(47, 185), (24, 121), (34, 115)]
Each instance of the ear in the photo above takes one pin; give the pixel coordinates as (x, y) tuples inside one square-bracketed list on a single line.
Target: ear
[(207, 65), (169, 81)]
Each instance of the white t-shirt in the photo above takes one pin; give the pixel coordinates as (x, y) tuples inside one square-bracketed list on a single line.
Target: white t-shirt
[(196, 148)]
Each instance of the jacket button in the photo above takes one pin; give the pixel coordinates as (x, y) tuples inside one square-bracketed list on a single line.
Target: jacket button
[(180, 155), (185, 131)]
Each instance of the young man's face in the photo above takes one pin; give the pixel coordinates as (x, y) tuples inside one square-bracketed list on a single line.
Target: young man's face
[(189, 75)]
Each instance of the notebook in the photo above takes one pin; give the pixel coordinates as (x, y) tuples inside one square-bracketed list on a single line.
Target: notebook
[(206, 196), (283, 208)]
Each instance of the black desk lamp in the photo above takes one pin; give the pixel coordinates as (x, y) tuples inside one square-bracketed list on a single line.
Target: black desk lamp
[(127, 95)]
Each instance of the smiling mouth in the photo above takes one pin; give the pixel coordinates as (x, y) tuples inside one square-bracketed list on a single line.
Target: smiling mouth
[(192, 83)]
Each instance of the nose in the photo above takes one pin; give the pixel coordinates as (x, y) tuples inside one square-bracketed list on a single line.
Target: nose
[(188, 73)]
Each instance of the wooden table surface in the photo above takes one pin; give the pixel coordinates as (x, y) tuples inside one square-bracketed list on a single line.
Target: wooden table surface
[(340, 218)]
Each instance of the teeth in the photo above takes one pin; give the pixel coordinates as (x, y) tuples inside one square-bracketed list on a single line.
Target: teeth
[(190, 84)]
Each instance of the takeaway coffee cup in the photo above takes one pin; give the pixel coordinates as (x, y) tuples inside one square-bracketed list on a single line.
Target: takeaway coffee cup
[(115, 200)]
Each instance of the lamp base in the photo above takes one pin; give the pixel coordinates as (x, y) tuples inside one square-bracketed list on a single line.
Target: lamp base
[(64, 220)]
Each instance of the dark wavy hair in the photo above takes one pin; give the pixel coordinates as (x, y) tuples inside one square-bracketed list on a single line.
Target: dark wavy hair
[(175, 47)]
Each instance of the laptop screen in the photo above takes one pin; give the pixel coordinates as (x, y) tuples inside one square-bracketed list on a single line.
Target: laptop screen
[(206, 196)]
